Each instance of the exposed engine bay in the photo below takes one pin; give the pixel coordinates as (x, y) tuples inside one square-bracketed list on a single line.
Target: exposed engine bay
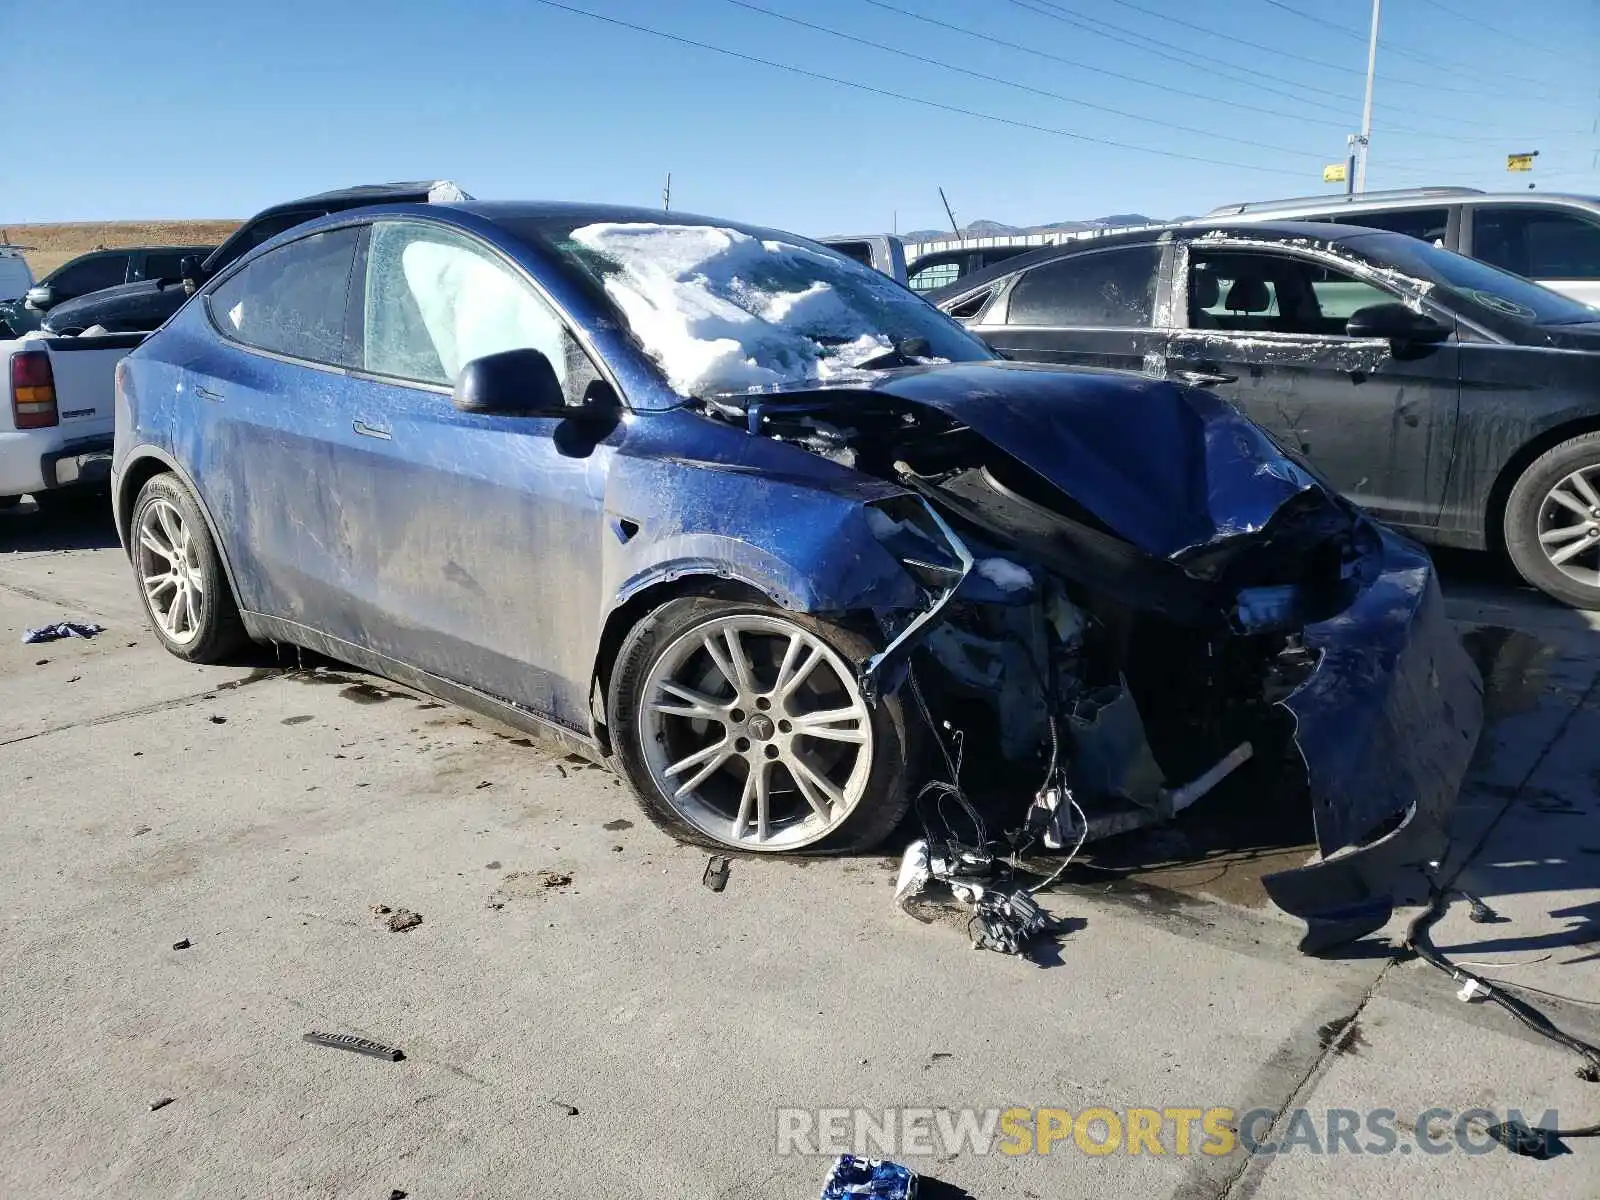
[(1058, 659)]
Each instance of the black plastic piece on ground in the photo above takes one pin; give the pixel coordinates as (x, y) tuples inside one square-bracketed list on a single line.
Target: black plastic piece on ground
[(1516, 1137), (716, 876), (345, 1041)]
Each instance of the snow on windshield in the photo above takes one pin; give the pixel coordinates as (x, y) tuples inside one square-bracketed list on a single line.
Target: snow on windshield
[(722, 311)]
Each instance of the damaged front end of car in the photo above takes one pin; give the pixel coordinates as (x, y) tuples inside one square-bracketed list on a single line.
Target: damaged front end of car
[(1128, 581)]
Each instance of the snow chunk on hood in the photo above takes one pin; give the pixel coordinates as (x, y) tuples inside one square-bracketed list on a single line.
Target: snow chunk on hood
[(722, 311)]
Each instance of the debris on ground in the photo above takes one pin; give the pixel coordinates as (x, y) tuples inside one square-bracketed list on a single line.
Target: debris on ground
[(483, 784), (140, 830), (160, 1102), (182, 944), (872, 1177), (716, 876), (61, 629), (359, 1045), (398, 919), (570, 1109), (216, 720), (514, 883)]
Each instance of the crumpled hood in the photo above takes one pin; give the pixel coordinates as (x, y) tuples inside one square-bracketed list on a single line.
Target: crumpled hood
[(141, 298), (1168, 468)]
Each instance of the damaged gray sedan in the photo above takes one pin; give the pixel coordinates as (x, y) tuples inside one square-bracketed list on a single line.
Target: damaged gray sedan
[(782, 541)]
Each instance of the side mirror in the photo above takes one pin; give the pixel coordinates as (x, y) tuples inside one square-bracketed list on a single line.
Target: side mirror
[(1397, 323), (189, 271), (513, 383), (41, 296)]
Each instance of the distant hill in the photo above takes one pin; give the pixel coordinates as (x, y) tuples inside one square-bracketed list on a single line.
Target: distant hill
[(984, 228), (46, 247)]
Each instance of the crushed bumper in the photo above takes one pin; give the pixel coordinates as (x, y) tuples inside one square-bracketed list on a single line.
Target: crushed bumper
[(1386, 724)]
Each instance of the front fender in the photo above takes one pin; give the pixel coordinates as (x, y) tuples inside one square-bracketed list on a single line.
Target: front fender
[(811, 548)]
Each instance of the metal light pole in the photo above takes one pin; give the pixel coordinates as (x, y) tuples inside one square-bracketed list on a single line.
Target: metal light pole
[(1364, 139)]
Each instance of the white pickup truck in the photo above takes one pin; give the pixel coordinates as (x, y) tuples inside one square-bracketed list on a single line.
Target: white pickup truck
[(56, 412)]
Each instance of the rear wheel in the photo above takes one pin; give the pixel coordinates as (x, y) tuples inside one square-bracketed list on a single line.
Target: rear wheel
[(180, 576), (744, 727), (1552, 522)]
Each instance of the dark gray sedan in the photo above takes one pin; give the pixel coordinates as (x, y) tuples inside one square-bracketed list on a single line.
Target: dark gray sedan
[(1451, 399)]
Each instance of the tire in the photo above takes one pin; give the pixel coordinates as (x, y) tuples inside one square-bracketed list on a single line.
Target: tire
[(840, 788), (1540, 528), (166, 521), (10, 501)]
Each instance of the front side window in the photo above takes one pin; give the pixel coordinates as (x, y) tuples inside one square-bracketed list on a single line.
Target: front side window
[(79, 279), (1256, 292), (435, 300), (1537, 243), (292, 300), (1102, 289), (163, 266)]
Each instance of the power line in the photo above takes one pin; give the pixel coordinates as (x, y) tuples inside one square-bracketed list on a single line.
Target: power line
[(1100, 28), (1322, 64), (1056, 13), (934, 62), (1448, 64), (1081, 66), (1482, 24), (908, 98)]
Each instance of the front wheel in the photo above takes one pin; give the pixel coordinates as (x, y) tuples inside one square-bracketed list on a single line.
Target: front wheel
[(1552, 522), (741, 726), (180, 576)]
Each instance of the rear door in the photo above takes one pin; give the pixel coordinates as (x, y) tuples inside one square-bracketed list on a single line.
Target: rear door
[(268, 402), (1091, 309), (1266, 330)]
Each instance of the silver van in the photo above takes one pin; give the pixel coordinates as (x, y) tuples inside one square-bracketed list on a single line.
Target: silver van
[(1550, 238)]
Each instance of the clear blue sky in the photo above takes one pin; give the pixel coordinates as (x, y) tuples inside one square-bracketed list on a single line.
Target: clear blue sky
[(181, 108)]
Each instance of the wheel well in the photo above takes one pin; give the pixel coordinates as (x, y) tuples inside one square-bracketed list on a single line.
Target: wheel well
[(1500, 493), (628, 614), (139, 473)]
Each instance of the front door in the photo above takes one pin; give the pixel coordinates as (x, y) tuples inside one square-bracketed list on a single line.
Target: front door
[(1266, 329), (476, 539), (1091, 309)]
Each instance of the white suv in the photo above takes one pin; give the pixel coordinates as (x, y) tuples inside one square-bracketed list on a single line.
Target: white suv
[(1549, 238)]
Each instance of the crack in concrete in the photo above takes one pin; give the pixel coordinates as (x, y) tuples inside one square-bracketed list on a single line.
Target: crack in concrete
[(142, 711), (1318, 1067)]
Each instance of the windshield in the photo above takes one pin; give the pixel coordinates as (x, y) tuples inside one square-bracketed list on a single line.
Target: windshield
[(1472, 283), (721, 310)]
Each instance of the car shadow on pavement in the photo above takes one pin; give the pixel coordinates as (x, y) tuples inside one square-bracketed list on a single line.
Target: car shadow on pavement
[(63, 523)]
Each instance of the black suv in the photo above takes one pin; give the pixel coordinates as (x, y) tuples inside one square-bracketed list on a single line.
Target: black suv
[(143, 306), (91, 273), (1450, 398)]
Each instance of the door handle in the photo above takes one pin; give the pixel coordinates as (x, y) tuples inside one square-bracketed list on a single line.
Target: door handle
[(372, 431), (1205, 378), (205, 393)]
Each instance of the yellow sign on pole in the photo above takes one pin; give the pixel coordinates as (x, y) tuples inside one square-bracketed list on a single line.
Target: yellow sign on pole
[(1520, 162), (1333, 173)]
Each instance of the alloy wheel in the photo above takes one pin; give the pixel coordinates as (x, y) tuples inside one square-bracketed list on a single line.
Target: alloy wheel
[(756, 732), (169, 569), (1569, 526)]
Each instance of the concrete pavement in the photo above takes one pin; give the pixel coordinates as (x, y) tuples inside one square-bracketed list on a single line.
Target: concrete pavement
[(262, 811)]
